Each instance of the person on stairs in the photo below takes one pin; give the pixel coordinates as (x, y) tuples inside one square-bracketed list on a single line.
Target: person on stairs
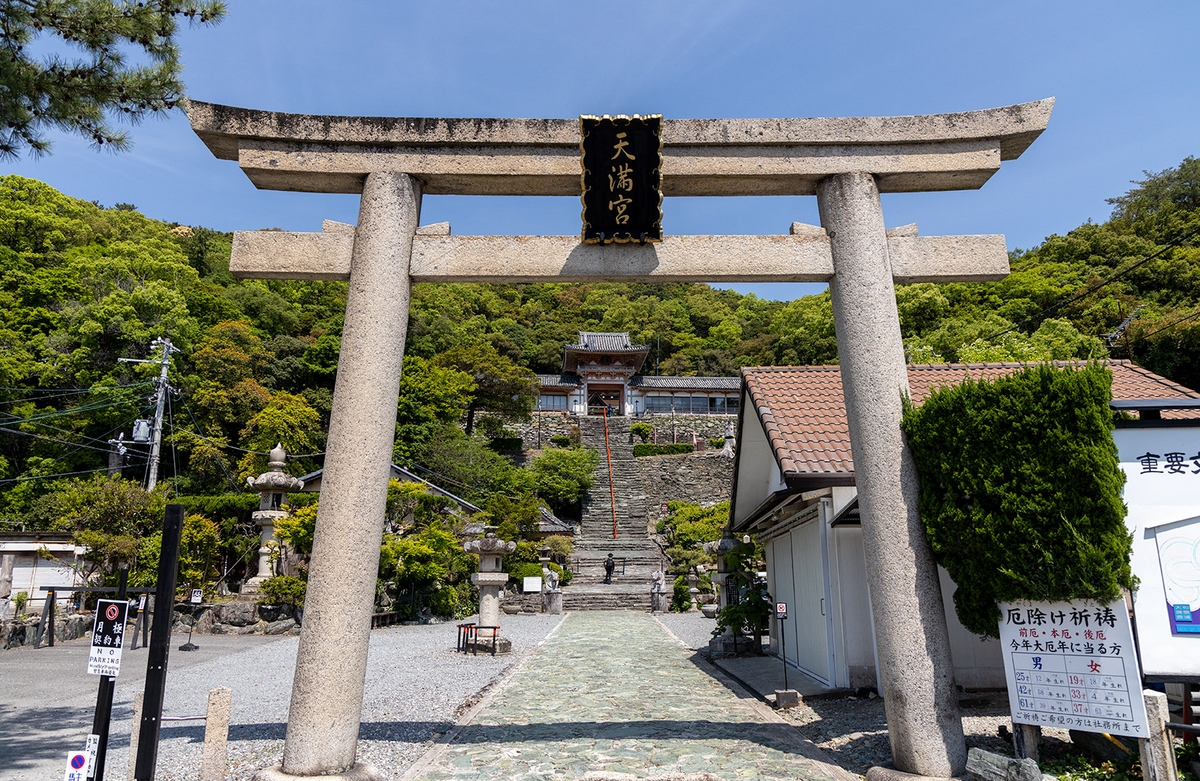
[(609, 565)]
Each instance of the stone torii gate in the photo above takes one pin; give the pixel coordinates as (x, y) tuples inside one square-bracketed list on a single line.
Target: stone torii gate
[(845, 162)]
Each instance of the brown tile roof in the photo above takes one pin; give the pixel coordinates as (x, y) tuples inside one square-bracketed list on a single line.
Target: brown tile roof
[(804, 415)]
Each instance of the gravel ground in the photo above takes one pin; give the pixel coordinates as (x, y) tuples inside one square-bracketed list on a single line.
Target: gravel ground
[(693, 629), (854, 729), (416, 687)]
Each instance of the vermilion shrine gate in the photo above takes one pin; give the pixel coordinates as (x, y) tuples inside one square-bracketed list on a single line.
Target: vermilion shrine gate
[(845, 162)]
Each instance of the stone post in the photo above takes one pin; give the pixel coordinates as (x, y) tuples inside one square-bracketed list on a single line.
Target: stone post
[(331, 661), (912, 641), (1158, 755), (7, 562)]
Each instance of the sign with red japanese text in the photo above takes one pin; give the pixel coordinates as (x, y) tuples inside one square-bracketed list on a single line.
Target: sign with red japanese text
[(1162, 492), (1073, 665), (108, 634)]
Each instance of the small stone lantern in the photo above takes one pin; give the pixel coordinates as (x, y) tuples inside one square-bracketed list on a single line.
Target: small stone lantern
[(274, 486), (490, 579)]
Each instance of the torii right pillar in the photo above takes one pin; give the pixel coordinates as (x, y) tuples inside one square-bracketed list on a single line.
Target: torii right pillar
[(911, 639)]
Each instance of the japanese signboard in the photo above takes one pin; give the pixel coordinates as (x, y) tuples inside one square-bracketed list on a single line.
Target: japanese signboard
[(108, 633), (197, 596), (1073, 665), (622, 178), (1162, 492), (781, 610), (77, 767)]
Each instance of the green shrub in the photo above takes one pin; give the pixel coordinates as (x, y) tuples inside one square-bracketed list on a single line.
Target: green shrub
[(506, 444), (642, 431), (1021, 490), (522, 571), (560, 441), (749, 615), (282, 590), (716, 443), (661, 450), (443, 601), (19, 602)]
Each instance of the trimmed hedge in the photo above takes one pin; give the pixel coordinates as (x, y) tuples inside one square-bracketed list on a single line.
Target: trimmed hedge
[(504, 444), (661, 450), (560, 441), (1021, 490)]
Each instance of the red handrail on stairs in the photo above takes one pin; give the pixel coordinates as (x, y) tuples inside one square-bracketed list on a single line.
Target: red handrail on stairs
[(612, 493)]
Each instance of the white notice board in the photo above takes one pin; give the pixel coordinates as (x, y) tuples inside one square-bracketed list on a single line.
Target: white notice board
[(1073, 665), (1162, 492)]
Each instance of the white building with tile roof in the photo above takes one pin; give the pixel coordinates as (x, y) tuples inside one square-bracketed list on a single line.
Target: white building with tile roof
[(602, 371)]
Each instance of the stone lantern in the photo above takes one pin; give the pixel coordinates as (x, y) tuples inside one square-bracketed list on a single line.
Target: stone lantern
[(727, 587), (490, 579), (273, 485)]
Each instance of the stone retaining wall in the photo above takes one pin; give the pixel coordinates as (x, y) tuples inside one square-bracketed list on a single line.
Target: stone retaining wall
[(17, 632), (704, 426), (693, 477), (236, 618), (552, 424)]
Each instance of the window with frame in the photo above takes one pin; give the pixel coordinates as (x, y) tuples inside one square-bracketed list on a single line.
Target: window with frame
[(552, 401)]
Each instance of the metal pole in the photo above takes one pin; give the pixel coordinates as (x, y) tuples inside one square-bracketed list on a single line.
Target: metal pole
[(160, 645), (104, 695), (783, 650)]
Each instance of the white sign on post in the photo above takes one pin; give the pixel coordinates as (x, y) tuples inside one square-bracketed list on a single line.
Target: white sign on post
[(1073, 665), (197, 596), (90, 748), (108, 635), (531, 585)]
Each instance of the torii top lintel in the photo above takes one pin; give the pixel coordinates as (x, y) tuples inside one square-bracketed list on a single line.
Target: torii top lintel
[(710, 157)]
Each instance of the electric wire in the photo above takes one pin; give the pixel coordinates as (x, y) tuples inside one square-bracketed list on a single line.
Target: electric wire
[(1101, 284), (1172, 324), (220, 463), (51, 439), (55, 476)]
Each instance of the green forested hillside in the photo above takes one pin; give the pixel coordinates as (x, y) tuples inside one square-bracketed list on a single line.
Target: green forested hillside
[(82, 285)]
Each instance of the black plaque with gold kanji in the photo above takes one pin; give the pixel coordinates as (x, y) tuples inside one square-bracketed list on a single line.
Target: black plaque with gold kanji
[(622, 178)]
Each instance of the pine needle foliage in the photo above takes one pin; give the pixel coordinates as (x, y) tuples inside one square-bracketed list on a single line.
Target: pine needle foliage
[(1021, 489), (83, 95)]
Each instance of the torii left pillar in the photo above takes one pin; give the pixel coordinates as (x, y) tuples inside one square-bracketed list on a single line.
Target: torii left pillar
[(331, 661)]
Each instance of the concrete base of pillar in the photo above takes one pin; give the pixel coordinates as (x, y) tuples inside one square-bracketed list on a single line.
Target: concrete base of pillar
[(892, 774), (660, 602), (552, 603), (724, 646), (484, 646), (361, 771)]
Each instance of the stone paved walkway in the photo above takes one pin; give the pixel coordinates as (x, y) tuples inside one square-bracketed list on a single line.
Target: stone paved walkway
[(612, 691)]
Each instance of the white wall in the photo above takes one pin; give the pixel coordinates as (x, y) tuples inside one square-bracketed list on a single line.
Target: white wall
[(758, 474)]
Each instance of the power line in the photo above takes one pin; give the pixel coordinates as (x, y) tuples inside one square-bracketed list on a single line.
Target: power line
[(1102, 283), (1172, 324), (60, 474), (51, 439)]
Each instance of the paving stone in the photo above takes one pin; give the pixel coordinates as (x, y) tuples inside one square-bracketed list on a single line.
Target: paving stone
[(611, 691)]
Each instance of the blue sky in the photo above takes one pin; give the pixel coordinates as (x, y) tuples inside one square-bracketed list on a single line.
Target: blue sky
[(1125, 75)]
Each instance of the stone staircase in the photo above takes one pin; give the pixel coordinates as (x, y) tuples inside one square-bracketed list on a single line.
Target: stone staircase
[(630, 589)]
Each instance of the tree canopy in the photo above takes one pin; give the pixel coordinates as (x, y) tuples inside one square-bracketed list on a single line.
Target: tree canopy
[(84, 95)]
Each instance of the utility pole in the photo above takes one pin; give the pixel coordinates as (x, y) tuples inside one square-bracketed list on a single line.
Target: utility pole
[(164, 361)]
